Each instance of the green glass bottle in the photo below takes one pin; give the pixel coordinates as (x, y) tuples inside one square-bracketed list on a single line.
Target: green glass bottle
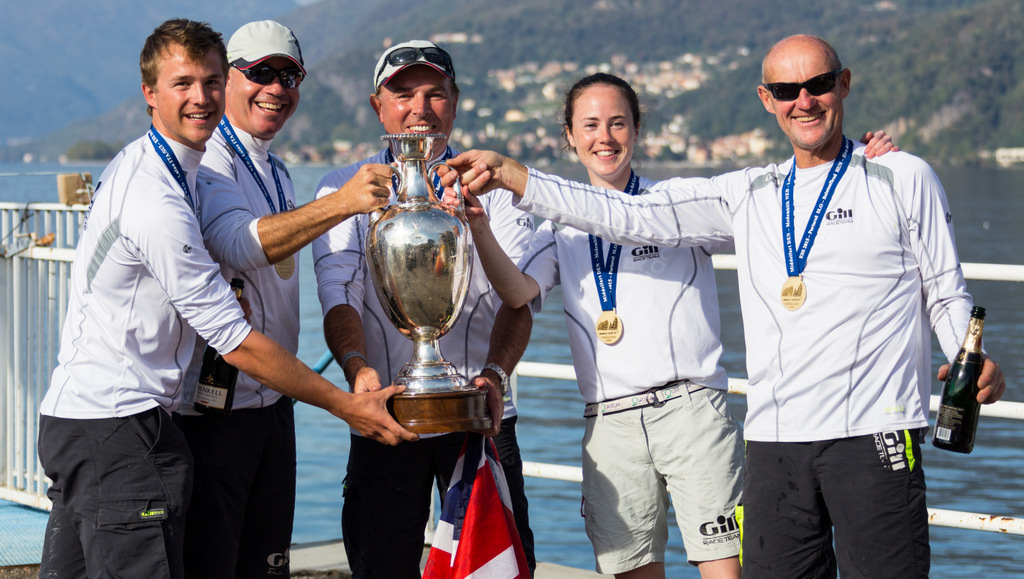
[(215, 392), (957, 420)]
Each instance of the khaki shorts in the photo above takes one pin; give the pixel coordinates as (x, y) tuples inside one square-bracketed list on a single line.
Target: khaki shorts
[(689, 447)]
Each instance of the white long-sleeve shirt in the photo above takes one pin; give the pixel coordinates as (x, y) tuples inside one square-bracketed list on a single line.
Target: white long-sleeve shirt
[(232, 204), (665, 298), (855, 359), (140, 282)]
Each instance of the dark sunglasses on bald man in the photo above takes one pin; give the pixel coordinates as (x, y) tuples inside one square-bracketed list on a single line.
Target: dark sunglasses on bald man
[(265, 74), (817, 86)]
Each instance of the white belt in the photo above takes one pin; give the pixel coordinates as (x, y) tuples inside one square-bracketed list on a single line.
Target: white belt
[(655, 397)]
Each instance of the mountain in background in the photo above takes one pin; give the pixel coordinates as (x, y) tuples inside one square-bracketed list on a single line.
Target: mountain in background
[(69, 60), (944, 77)]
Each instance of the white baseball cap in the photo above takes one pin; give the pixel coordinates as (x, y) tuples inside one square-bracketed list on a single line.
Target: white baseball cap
[(257, 41), (398, 57)]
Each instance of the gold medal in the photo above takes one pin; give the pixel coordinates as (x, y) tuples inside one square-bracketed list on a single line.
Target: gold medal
[(609, 327), (286, 267), (794, 293)]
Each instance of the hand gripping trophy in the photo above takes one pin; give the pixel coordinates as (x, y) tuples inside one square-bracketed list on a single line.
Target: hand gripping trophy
[(420, 255)]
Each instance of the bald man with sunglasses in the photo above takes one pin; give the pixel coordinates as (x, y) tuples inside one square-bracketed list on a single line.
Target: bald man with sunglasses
[(240, 520), (844, 261)]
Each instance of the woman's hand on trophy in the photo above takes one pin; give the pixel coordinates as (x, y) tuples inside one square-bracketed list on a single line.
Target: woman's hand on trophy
[(495, 404), (485, 171), (473, 208), (368, 190)]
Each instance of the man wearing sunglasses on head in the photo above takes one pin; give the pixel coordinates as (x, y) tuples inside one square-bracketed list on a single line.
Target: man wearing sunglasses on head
[(843, 262), (387, 490), (240, 520)]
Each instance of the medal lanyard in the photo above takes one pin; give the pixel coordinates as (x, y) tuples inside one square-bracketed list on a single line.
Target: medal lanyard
[(229, 134), (438, 189), (171, 162), (796, 258), (606, 272)]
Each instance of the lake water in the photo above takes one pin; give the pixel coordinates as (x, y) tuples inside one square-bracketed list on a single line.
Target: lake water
[(988, 208)]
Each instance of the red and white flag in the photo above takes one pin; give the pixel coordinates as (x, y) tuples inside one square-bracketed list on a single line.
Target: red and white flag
[(477, 537)]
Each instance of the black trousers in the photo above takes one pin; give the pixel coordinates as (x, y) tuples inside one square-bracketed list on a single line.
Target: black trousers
[(120, 491), (243, 497), (856, 504), (387, 499)]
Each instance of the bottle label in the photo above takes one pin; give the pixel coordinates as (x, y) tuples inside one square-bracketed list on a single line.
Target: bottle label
[(211, 396), (948, 422)]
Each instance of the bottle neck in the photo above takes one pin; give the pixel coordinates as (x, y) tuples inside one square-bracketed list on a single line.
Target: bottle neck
[(972, 342)]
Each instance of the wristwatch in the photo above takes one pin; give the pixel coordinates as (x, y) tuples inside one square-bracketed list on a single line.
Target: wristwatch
[(505, 382)]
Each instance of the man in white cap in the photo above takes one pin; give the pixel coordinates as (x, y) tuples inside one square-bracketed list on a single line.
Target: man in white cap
[(387, 490), (243, 502)]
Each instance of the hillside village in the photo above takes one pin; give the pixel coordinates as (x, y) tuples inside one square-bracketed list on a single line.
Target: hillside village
[(530, 128)]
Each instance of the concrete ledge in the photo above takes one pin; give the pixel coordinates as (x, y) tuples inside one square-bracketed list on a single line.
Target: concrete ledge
[(327, 559)]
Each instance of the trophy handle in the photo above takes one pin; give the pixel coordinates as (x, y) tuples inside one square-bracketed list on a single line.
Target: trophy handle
[(458, 187), (375, 214)]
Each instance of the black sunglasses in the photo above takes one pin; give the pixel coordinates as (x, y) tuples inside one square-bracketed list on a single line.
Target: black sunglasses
[(817, 86), (409, 55), (265, 74)]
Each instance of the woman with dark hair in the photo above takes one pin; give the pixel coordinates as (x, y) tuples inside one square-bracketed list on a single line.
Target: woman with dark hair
[(644, 332)]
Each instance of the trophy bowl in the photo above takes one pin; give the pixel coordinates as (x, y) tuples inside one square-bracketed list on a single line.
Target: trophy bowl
[(420, 255)]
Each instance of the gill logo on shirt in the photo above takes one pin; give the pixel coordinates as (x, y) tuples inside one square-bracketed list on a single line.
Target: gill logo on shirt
[(839, 216), (645, 252), (525, 221), (150, 513)]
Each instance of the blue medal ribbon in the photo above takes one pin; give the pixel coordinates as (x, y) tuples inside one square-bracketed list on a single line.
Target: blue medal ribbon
[(229, 135), (171, 161), (796, 258), (606, 272)]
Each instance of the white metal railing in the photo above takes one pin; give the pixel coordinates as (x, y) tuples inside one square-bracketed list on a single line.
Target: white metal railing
[(34, 273), (939, 517), (37, 242)]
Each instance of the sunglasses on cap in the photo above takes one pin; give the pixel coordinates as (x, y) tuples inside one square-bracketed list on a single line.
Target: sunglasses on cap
[(265, 74), (411, 54), (817, 86)]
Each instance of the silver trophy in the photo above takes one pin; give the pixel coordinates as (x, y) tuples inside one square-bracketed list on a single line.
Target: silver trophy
[(420, 256)]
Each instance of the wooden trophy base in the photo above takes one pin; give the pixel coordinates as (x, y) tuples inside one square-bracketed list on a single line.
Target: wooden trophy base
[(433, 412)]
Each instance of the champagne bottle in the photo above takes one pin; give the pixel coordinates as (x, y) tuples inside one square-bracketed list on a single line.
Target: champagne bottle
[(957, 420), (215, 392)]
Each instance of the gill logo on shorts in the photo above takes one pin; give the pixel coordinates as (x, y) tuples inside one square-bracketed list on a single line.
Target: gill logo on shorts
[(276, 560), (721, 526), (890, 450), (150, 513)]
